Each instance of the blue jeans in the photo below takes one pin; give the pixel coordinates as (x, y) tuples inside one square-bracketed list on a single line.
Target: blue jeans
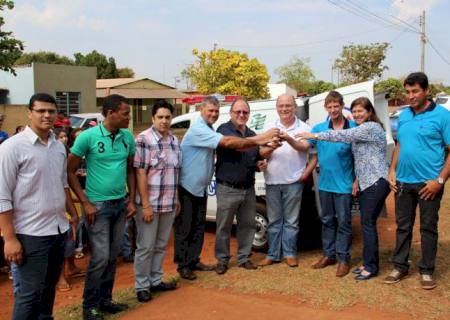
[(336, 225), (283, 209), (105, 236), (15, 278), (126, 247), (371, 203), (43, 258)]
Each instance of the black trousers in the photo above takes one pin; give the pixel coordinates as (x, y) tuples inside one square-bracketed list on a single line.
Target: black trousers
[(406, 201), (189, 227)]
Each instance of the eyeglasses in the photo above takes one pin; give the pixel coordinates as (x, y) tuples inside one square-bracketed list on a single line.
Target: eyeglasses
[(244, 113), (43, 111)]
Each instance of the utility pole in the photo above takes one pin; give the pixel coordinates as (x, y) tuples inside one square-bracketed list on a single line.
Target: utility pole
[(423, 41), (215, 46)]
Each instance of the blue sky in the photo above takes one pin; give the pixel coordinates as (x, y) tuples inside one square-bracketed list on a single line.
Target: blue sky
[(156, 38)]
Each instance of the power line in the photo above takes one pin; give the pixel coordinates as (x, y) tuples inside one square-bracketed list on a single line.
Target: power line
[(437, 52)]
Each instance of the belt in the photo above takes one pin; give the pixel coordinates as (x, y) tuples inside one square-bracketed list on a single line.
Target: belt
[(234, 185)]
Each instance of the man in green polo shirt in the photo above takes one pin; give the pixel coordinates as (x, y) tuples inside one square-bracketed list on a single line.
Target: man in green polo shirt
[(109, 151)]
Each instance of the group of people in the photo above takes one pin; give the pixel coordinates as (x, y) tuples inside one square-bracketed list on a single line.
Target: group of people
[(163, 183)]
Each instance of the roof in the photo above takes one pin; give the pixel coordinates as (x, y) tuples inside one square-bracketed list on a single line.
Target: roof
[(142, 93), (111, 83)]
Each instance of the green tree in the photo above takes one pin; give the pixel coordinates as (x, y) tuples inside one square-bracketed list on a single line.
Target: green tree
[(359, 63), (125, 72), (44, 57), (320, 86), (228, 72), (394, 87), (296, 74), (10, 47), (106, 67)]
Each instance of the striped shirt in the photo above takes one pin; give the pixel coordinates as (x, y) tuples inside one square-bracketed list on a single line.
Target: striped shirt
[(161, 158), (33, 176)]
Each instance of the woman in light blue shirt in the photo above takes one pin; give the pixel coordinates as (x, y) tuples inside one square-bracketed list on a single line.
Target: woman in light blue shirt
[(369, 151)]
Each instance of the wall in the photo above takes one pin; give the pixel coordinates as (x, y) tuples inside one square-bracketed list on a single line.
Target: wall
[(20, 87), (51, 78), (15, 115), (143, 84)]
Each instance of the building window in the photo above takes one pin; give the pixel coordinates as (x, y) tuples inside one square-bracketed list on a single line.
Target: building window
[(68, 102)]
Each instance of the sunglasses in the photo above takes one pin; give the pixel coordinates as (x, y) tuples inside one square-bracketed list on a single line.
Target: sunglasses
[(244, 113)]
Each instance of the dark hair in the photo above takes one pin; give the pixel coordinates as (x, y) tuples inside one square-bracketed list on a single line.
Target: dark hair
[(161, 104), (334, 96), (236, 101), (19, 129), (366, 104), (42, 97), (112, 103), (58, 131), (73, 136), (419, 78)]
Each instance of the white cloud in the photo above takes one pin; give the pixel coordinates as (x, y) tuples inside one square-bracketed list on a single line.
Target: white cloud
[(407, 9)]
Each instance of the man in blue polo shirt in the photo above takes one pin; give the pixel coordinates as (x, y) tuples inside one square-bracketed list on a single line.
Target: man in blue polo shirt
[(198, 148), (417, 176), (335, 188), (109, 150)]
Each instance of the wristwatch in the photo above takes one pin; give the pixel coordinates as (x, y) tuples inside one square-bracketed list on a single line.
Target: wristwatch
[(440, 180)]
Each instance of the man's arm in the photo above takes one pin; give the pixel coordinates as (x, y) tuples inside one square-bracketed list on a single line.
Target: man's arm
[(432, 187), (232, 142), (392, 177), (147, 210), (299, 145), (310, 167), (131, 183), (70, 208), (13, 248)]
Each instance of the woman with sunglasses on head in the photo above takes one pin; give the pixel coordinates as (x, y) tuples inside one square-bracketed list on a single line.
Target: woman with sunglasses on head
[(369, 151)]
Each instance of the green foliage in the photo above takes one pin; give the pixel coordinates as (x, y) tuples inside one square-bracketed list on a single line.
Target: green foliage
[(10, 48), (125, 72), (296, 74), (228, 72), (393, 86), (44, 57), (106, 68), (320, 86), (439, 88), (359, 63)]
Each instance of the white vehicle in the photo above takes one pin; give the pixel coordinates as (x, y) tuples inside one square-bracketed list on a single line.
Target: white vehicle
[(82, 120), (443, 101), (310, 110)]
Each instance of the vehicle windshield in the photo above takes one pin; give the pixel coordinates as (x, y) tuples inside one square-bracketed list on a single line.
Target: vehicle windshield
[(75, 121)]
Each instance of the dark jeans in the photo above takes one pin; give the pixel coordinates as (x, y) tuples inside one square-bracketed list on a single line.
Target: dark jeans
[(406, 201), (371, 203), (189, 227), (43, 258), (105, 236), (336, 225)]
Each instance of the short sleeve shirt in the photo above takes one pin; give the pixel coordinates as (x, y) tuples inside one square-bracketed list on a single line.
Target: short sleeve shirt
[(335, 160), (198, 147), (106, 161), (423, 139)]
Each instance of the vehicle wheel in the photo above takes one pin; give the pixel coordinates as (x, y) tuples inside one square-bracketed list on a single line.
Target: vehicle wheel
[(260, 242)]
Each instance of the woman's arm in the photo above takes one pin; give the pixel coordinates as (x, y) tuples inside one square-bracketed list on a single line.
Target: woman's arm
[(362, 133)]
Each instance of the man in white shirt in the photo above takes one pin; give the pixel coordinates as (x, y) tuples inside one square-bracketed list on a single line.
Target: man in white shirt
[(34, 195), (286, 171)]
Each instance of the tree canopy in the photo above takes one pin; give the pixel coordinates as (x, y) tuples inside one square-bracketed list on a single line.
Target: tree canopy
[(10, 47), (125, 72), (43, 57), (106, 67), (296, 74), (359, 63), (228, 72)]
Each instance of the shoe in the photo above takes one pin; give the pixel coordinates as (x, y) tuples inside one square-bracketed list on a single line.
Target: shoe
[(362, 277), (395, 276), (342, 270), (248, 265), (324, 262), (202, 267), (128, 259), (291, 262), (144, 296), (187, 273), (265, 262), (92, 314), (113, 307), (358, 270), (164, 286), (427, 282), (221, 268)]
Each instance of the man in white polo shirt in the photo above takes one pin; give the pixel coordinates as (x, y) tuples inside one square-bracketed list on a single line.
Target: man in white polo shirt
[(284, 176)]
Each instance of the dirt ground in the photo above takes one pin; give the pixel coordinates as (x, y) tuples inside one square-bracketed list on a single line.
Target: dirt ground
[(216, 297)]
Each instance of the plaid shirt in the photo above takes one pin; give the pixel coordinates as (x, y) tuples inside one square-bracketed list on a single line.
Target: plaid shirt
[(161, 158)]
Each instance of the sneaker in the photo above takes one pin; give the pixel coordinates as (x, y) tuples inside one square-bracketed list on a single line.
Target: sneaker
[(143, 296), (92, 314), (187, 273), (427, 282), (221, 268), (395, 276), (113, 307), (164, 286)]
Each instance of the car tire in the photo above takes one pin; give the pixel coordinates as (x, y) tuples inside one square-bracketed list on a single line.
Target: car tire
[(260, 241)]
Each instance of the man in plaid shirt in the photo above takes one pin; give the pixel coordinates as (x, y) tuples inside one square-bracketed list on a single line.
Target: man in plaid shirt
[(157, 162)]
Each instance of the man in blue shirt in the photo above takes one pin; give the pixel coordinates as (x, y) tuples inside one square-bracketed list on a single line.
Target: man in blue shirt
[(335, 188), (3, 134), (417, 176), (198, 148)]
